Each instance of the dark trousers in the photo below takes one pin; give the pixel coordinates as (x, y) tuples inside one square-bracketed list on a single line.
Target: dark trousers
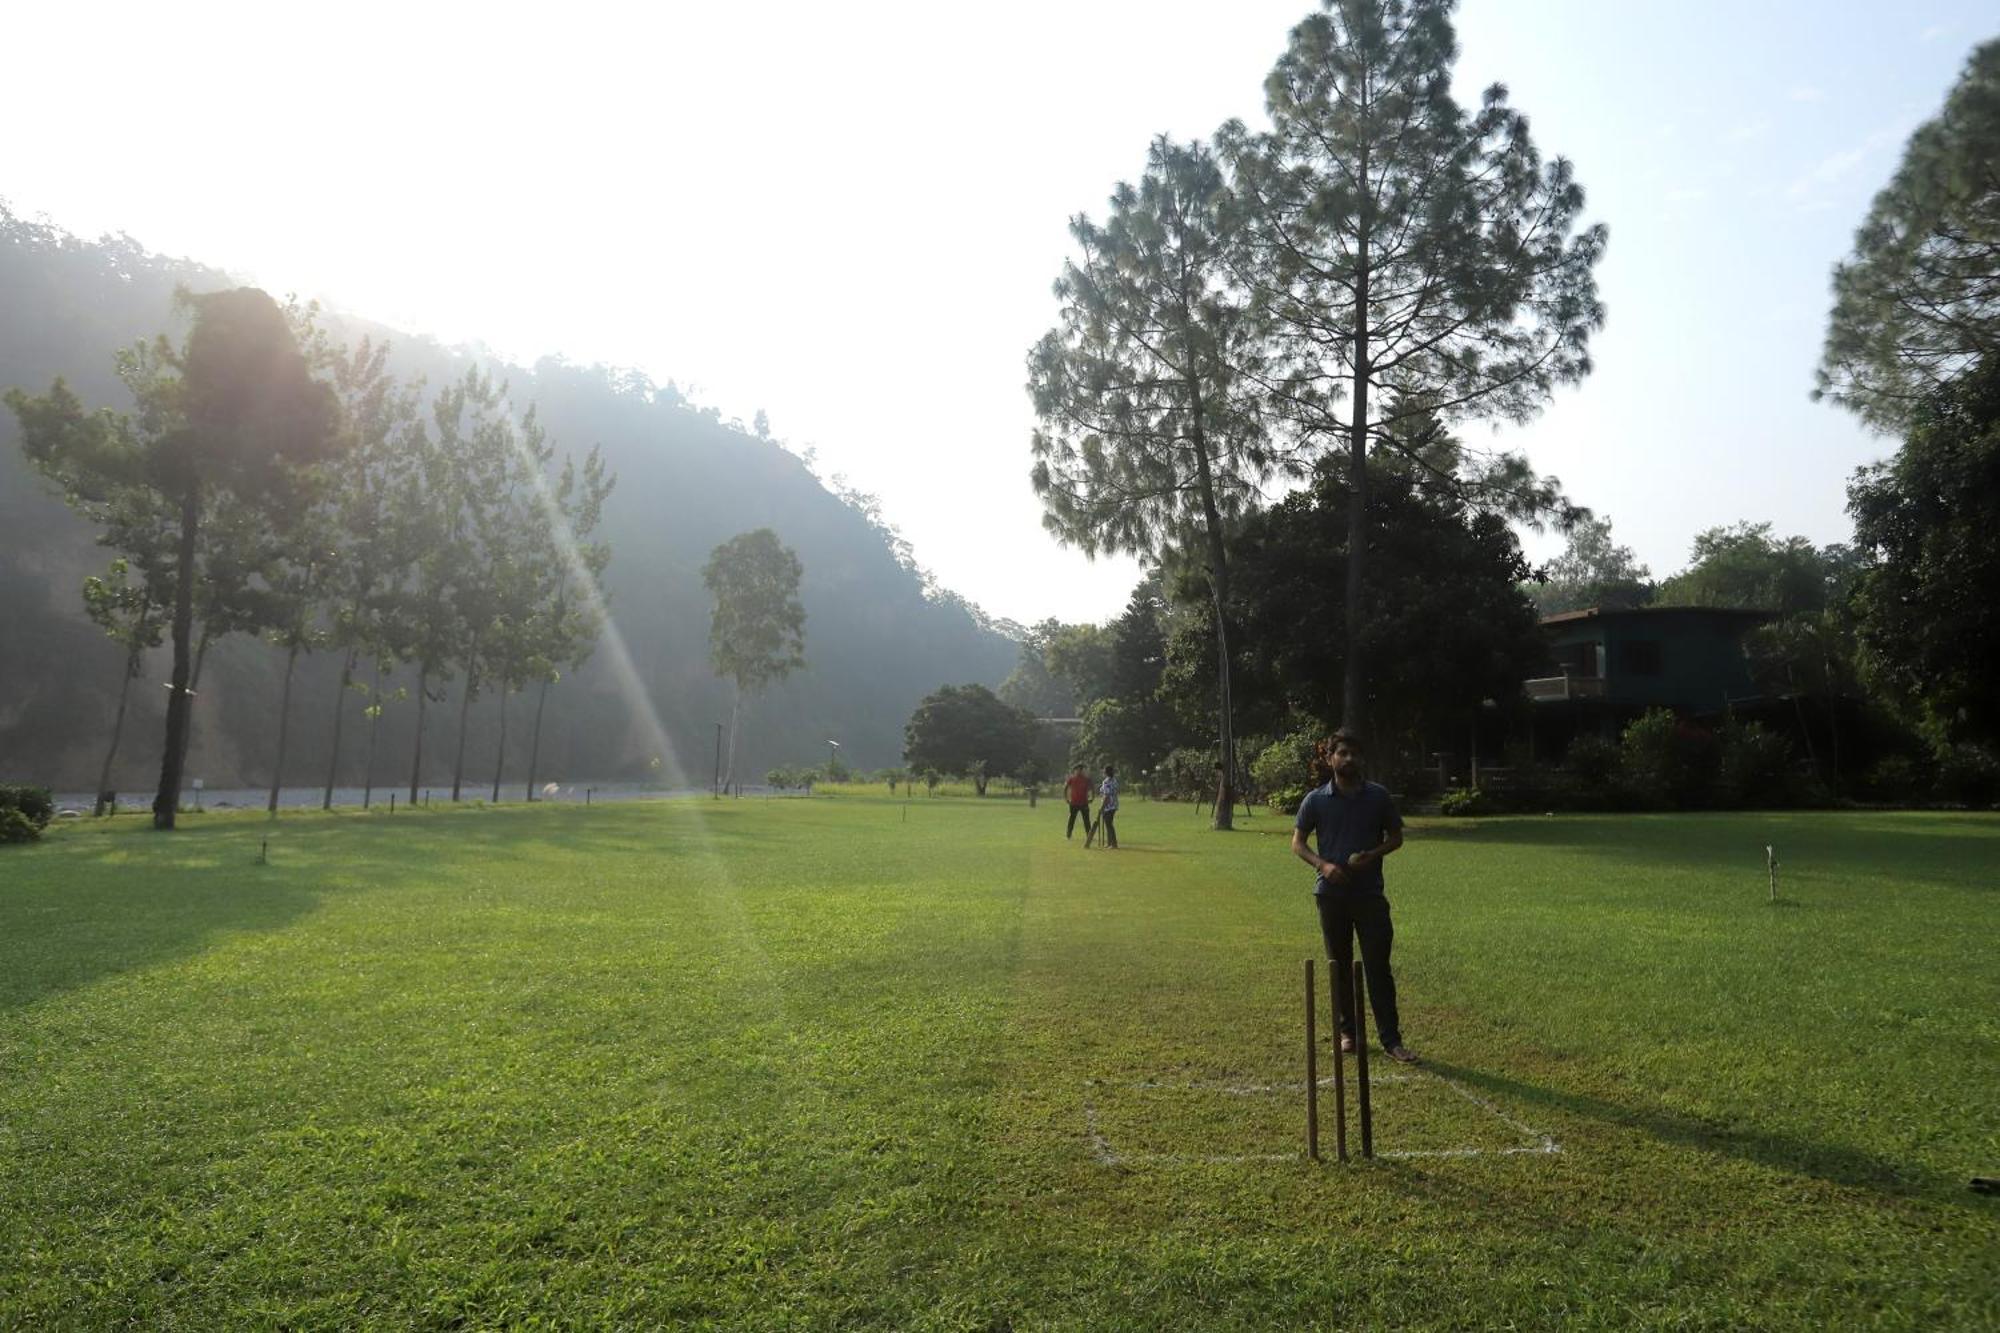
[(1074, 811), (1107, 824), (1344, 914)]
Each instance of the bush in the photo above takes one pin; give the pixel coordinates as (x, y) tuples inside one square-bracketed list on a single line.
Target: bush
[(1756, 768), (24, 811), (1468, 801), (1969, 775), (1285, 769), (1667, 762), (1592, 763), (1897, 778)]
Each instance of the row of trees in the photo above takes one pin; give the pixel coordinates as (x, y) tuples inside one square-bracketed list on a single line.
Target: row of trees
[(1329, 298), (271, 482)]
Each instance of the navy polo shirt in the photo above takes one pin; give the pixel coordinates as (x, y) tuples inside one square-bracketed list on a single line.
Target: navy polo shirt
[(1344, 825)]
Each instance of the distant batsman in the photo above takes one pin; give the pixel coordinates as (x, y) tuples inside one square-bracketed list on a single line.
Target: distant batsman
[(1354, 825)]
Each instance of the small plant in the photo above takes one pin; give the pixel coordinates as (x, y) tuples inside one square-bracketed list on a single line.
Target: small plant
[(1466, 802), (24, 811)]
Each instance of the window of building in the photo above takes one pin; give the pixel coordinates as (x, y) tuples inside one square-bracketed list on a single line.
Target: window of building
[(1639, 657)]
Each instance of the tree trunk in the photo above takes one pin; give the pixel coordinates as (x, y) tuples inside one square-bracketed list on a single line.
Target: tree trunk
[(166, 801), (417, 757), (1353, 698), (374, 716), (500, 760), (735, 715), (284, 723), (339, 714), (465, 713), (133, 656), (535, 739)]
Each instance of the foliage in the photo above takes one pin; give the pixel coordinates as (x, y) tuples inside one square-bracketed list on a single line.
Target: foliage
[(757, 630), (233, 413), (968, 731), (1592, 571), (1742, 566), (1415, 267), (1080, 656), (1033, 686), (1928, 609), (1467, 801), (1917, 305), (1968, 774), (1151, 438), (1666, 762), (1757, 768), (1284, 771), (25, 810), (1443, 610)]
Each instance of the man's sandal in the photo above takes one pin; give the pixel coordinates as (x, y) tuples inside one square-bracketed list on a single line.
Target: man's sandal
[(1403, 1055)]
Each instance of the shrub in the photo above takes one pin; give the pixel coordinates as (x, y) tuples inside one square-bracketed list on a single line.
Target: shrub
[(1755, 769), (1285, 769), (1666, 762), (1968, 774), (1896, 777), (24, 811), (1467, 801)]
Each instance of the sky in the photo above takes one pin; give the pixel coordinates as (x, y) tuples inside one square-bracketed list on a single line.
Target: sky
[(849, 216)]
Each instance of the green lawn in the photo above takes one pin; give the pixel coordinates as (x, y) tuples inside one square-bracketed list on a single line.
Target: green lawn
[(847, 1063)]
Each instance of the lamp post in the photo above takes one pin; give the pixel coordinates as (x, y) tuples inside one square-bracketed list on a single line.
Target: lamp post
[(831, 746), (715, 787)]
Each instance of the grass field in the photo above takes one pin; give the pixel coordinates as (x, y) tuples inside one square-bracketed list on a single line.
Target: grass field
[(839, 1063)]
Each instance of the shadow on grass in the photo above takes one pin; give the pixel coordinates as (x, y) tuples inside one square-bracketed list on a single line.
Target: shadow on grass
[(1951, 850), (108, 905), (1779, 1152)]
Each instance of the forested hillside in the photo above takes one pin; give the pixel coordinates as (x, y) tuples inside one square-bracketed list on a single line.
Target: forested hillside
[(877, 636)]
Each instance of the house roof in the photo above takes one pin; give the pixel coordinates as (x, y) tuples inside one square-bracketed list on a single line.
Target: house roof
[(1604, 613)]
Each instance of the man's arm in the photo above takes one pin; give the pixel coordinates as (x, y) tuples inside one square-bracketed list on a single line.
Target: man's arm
[(1331, 872), (1392, 838)]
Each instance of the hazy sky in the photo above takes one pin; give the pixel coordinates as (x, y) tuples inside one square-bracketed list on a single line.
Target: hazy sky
[(850, 215)]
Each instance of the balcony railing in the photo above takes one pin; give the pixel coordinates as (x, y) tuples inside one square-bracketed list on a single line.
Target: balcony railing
[(1564, 687)]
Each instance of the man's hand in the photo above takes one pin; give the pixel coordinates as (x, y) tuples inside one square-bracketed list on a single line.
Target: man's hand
[(1332, 873), (1362, 860)]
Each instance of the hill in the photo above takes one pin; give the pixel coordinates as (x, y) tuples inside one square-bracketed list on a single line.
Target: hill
[(879, 634)]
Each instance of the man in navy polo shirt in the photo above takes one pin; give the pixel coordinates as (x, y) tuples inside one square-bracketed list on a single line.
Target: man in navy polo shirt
[(1355, 825)]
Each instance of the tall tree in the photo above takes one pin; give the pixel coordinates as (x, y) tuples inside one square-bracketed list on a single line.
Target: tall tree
[(1917, 304), (1416, 266), (234, 411), (380, 416), (130, 614), (566, 625), (757, 633), (1150, 439), (1929, 609)]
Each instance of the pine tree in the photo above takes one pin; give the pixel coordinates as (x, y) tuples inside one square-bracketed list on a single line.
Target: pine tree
[(1150, 442), (1414, 266)]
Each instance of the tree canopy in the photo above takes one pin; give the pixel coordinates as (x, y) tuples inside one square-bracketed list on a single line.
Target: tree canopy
[(1414, 266), (968, 731), (1917, 303), (1928, 610)]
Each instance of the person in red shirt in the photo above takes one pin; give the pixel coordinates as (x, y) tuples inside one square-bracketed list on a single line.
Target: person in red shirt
[(1077, 791)]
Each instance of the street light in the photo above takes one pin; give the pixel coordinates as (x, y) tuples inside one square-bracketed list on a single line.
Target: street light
[(716, 786), (831, 746)]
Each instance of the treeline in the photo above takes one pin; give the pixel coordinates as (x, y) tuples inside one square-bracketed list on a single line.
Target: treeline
[(1328, 300), (273, 483), (644, 707)]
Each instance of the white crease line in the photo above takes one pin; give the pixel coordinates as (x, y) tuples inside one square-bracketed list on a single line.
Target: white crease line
[(1543, 1145)]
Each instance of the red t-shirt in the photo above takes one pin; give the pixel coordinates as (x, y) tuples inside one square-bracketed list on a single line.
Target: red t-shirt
[(1077, 789)]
